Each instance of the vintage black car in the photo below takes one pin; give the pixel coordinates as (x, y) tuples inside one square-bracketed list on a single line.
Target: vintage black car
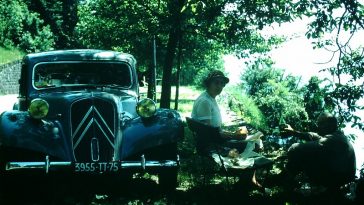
[(80, 112)]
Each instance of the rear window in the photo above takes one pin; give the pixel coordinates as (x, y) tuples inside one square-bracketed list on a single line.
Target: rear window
[(81, 73)]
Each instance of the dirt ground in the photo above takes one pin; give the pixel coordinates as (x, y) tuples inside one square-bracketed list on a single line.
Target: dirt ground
[(146, 191)]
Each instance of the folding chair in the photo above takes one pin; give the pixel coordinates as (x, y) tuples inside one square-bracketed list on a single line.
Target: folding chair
[(207, 139), (209, 143)]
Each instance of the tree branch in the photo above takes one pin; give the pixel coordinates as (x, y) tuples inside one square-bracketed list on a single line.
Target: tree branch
[(353, 13), (147, 8), (332, 57)]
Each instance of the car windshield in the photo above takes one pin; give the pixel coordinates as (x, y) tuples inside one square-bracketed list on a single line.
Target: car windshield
[(58, 74)]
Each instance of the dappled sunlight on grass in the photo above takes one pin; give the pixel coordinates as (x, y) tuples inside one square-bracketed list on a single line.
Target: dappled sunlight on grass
[(187, 95)]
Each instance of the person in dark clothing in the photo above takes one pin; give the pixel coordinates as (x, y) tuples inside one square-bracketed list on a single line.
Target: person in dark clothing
[(327, 158)]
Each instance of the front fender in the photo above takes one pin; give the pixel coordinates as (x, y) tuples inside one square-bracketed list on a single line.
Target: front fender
[(142, 134), (18, 130)]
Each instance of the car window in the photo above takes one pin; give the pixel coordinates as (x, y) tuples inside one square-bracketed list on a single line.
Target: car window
[(56, 74)]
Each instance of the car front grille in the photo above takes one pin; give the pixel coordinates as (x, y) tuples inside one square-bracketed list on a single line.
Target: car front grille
[(93, 129)]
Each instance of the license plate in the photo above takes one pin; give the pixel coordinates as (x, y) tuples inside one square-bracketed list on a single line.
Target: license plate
[(97, 166)]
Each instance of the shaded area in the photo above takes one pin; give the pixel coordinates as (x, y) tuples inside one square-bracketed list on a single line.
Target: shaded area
[(146, 191)]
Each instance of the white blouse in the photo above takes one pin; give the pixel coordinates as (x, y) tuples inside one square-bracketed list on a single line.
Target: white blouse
[(205, 107)]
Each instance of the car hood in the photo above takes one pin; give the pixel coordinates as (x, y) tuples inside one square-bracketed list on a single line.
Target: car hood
[(91, 126), (77, 111), (61, 103)]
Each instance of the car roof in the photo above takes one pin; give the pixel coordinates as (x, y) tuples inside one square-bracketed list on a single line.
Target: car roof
[(80, 55)]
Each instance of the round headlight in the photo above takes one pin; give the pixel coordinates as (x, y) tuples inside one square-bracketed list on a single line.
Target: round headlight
[(146, 108), (38, 108)]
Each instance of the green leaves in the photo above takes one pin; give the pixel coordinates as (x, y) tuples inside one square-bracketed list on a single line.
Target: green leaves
[(341, 18), (317, 99), (23, 28), (275, 94)]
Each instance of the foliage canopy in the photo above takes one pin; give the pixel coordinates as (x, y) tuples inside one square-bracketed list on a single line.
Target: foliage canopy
[(200, 30)]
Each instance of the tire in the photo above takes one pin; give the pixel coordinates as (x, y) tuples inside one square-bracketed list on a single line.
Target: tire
[(11, 190), (168, 179)]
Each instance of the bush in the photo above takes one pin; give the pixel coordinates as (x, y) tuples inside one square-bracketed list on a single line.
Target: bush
[(246, 108), (275, 94), (24, 29), (279, 104)]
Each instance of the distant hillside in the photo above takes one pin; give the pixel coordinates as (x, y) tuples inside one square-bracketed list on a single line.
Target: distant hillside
[(9, 55)]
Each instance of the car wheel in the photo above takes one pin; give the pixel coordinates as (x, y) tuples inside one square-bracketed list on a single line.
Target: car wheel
[(168, 179), (11, 190)]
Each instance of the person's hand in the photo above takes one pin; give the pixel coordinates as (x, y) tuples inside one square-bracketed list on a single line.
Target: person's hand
[(287, 130), (243, 130), (241, 133), (233, 153)]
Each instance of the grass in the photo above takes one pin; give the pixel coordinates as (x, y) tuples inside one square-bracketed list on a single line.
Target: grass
[(8, 55), (187, 95)]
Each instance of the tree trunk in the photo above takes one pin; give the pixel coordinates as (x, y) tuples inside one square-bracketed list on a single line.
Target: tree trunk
[(167, 69), (64, 32), (70, 19), (152, 93), (174, 35), (179, 59)]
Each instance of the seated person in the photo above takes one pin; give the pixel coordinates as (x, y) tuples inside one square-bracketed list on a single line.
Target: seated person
[(205, 108), (327, 158)]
